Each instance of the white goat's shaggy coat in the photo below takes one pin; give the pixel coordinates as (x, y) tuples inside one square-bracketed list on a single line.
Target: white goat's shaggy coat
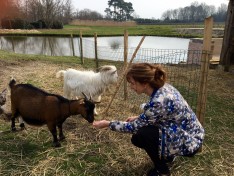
[(89, 82), (3, 101)]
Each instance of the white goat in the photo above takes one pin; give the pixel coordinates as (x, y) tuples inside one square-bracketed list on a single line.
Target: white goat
[(3, 101), (89, 82)]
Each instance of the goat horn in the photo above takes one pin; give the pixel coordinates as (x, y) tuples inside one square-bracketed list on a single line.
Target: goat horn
[(86, 98)]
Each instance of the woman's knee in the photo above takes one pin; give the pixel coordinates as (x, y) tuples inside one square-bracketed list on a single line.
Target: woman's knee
[(139, 137), (143, 134), (137, 140)]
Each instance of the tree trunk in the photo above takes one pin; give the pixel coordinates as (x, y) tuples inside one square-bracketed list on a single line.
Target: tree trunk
[(227, 52)]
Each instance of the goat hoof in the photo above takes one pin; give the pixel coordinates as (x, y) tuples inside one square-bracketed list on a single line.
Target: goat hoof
[(13, 129), (56, 144), (61, 138), (22, 125)]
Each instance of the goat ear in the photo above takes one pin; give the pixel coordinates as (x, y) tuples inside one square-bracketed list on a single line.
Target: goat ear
[(104, 68), (113, 72)]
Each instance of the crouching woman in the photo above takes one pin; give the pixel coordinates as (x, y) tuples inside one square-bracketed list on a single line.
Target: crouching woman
[(168, 127)]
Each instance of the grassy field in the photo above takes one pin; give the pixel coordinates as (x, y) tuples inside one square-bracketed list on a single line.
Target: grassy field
[(92, 152), (138, 30), (155, 30)]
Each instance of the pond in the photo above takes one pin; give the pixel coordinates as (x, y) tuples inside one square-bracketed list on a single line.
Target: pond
[(108, 47)]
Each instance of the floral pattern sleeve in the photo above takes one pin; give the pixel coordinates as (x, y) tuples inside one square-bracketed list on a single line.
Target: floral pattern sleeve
[(150, 116)]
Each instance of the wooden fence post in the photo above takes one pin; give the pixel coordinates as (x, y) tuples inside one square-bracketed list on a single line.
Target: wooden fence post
[(205, 58), (13, 45), (125, 62), (96, 54), (72, 42), (81, 48)]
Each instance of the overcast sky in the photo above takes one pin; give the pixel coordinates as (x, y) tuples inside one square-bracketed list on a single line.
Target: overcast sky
[(144, 8)]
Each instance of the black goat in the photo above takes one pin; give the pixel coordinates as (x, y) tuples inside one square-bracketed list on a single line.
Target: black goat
[(37, 107)]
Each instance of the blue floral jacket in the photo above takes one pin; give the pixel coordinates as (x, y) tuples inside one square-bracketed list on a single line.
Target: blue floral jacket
[(179, 129)]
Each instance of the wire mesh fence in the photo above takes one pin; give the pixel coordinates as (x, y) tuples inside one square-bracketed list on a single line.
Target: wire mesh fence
[(181, 74), (184, 67)]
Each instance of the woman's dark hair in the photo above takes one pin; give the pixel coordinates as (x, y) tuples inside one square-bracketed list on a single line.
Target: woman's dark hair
[(152, 74)]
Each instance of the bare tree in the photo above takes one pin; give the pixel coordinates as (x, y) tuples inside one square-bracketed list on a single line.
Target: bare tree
[(166, 15), (47, 10), (67, 12), (9, 9), (221, 13)]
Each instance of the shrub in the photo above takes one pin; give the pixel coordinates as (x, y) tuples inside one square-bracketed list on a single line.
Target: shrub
[(40, 24), (19, 24), (6, 23), (16, 23), (57, 25)]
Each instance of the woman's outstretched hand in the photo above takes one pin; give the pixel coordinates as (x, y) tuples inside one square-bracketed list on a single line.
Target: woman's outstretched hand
[(101, 124), (130, 119)]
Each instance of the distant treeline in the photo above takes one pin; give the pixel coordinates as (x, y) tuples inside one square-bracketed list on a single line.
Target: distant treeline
[(195, 13), (55, 13)]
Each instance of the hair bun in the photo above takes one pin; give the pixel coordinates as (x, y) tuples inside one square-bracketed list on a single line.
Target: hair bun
[(158, 74)]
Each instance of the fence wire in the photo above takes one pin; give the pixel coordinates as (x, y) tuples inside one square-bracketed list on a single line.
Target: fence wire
[(185, 77), (183, 69)]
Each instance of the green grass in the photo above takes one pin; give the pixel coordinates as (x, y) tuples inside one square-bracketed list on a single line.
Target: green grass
[(89, 63), (112, 30), (153, 30)]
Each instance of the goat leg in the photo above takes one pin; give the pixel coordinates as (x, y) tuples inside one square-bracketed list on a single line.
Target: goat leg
[(13, 128), (22, 126), (61, 135), (53, 131)]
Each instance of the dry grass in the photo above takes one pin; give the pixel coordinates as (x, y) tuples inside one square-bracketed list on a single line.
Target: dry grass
[(88, 151), (102, 23), (15, 31)]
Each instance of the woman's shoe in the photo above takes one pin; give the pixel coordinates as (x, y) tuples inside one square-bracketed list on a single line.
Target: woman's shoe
[(170, 159), (155, 172)]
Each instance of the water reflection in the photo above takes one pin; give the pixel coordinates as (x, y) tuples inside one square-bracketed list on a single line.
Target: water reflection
[(53, 46), (108, 47), (149, 42)]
